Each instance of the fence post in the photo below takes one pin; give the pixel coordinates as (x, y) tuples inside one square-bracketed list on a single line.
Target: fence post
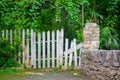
[(91, 36)]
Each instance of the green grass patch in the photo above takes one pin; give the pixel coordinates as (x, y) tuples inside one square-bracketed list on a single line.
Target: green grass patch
[(10, 74)]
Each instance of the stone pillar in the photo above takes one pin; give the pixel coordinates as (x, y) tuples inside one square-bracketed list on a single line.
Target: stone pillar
[(91, 36)]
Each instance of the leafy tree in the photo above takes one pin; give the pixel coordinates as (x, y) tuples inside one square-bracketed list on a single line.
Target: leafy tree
[(68, 14)]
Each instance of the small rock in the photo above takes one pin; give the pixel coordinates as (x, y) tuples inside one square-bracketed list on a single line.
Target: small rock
[(115, 64), (75, 74), (106, 64)]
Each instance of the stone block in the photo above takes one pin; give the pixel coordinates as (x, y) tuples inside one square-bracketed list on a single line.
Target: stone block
[(101, 62), (91, 34), (106, 64), (115, 64)]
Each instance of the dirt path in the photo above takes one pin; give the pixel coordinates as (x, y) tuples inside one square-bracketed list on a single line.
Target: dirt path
[(51, 76)]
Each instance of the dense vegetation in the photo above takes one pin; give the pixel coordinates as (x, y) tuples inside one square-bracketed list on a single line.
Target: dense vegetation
[(69, 14), (8, 53)]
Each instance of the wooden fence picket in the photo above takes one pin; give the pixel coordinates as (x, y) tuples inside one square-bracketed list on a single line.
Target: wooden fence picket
[(32, 50), (58, 49), (71, 54), (61, 47), (48, 49), (75, 53), (11, 37), (27, 54), (39, 50), (19, 53), (43, 40), (66, 55), (44, 50), (53, 49), (34, 54), (23, 45), (6, 34)]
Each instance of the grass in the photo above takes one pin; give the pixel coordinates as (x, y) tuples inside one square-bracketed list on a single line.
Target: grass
[(9, 74), (14, 74)]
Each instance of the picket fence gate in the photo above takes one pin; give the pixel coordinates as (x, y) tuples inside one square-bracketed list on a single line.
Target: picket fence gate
[(46, 49)]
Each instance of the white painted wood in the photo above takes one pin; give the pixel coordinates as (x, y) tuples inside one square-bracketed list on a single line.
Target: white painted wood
[(42, 55), (58, 48), (3, 34), (32, 52), (48, 49), (27, 61), (23, 45), (11, 36), (61, 47), (70, 57), (43, 35), (53, 49), (39, 50), (75, 53), (79, 46), (66, 56), (7, 34)]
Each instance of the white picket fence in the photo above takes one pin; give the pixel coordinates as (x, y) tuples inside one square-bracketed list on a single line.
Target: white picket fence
[(46, 49)]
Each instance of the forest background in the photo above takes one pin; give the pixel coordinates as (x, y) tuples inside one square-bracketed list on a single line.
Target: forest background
[(44, 15)]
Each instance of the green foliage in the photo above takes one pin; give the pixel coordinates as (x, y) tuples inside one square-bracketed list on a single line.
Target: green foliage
[(55, 14), (110, 27), (79, 34), (106, 14), (109, 38), (7, 54), (20, 14), (57, 69)]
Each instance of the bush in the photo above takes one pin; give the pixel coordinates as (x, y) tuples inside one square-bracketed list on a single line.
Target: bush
[(7, 54)]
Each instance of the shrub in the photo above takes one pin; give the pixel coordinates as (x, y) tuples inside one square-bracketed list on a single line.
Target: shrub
[(7, 54)]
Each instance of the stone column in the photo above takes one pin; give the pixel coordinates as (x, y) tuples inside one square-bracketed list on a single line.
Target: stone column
[(91, 36)]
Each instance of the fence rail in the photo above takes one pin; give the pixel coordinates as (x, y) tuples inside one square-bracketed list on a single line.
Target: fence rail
[(45, 49)]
